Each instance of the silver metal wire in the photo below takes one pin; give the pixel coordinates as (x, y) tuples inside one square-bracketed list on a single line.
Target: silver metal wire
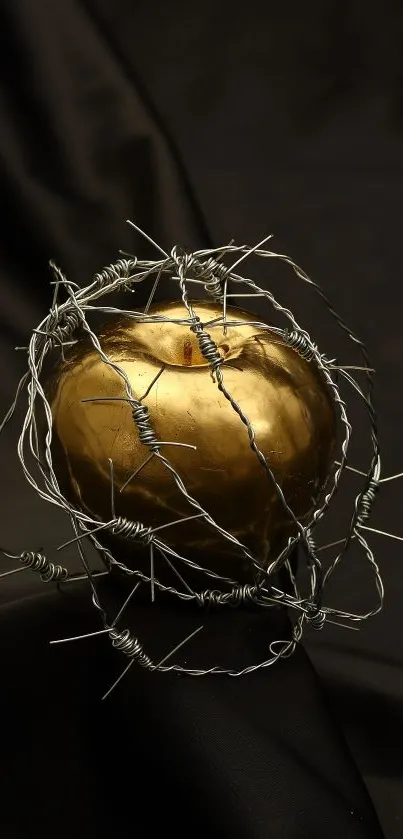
[(67, 321), (131, 530), (130, 646), (38, 562)]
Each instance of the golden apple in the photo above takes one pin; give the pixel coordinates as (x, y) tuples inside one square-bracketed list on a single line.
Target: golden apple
[(284, 396)]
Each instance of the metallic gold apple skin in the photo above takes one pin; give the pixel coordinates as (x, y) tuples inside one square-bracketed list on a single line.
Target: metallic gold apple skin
[(283, 395)]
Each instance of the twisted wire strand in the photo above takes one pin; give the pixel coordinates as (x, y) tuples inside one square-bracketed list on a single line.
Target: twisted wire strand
[(122, 269), (237, 596)]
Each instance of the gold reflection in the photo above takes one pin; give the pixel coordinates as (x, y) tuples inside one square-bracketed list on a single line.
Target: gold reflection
[(283, 395)]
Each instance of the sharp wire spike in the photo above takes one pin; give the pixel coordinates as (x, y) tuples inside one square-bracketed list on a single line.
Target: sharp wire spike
[(178, 647), (81, 637), (80, 577), (55, 294), (152, 293), (331, 544), (249, 253), (391, 478), (65, 283), (21, 384), (178, 521), (175, 571), (137, 471), (180, 445), (126, 253), (112, 474), (150, 386), (148, 238), (84, 535), (13, 571), (224, 306), (125, 604), (352, 367), (381, 532), (152, 573), (119, 679), (89, 573), (10, 556), (351, 468), (219, 320), (106, 399), (344, 625)]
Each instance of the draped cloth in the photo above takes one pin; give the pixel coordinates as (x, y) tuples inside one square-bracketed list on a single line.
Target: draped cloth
[(201, 123)]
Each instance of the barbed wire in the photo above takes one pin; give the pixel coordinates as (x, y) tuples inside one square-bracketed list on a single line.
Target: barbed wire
[(67, 324)]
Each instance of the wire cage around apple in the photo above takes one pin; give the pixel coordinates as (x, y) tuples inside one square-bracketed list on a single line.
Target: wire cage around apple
[(209, 271)]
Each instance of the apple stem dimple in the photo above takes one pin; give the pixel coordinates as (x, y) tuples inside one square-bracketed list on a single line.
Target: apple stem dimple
[(187, 352)]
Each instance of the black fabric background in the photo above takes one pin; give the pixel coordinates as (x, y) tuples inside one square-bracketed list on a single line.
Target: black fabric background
[(202, 123)]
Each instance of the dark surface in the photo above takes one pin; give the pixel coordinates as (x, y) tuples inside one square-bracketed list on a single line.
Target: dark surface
[(284, 118), (257, 756)]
